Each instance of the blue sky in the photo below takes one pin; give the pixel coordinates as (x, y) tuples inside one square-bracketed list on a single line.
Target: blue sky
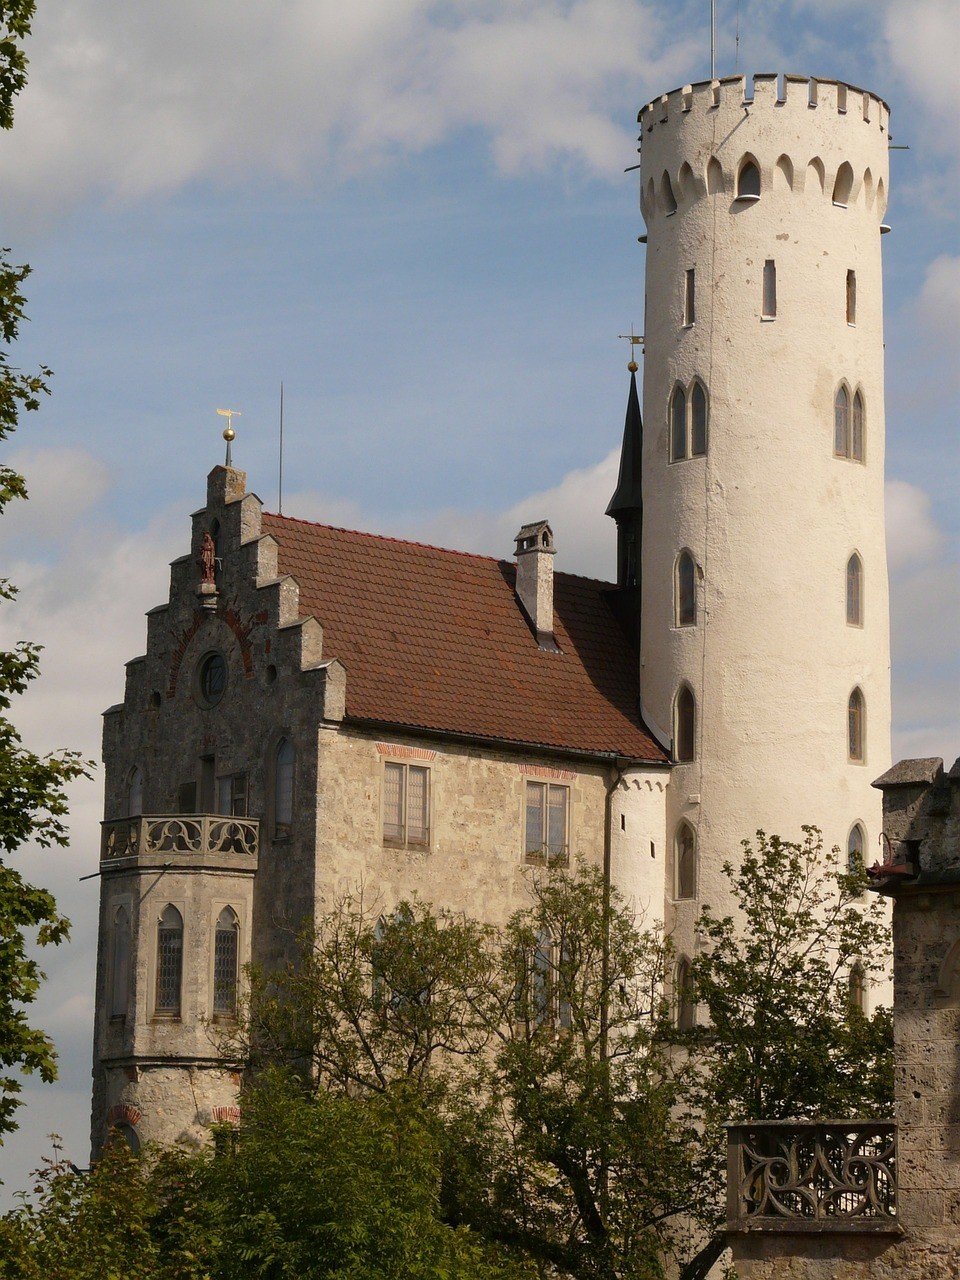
[(415, 214)]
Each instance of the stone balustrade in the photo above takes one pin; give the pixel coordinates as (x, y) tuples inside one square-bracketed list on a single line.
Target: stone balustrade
[(796, 1176), (180, 835)]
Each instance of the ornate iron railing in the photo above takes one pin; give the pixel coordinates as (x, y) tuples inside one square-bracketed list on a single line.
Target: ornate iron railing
[(180, 834), (807, 1176)]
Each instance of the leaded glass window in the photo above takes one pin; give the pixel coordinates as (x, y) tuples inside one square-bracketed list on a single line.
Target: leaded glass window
[(283, 787), (226, 956), (169, 962)]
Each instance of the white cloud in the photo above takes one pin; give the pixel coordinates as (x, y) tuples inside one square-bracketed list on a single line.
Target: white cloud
[(912, 534), (923, 43), (128, 101), (938, 308)]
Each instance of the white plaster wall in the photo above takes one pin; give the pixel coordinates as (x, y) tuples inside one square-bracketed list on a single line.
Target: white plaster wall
[(770, 514), (638, 853)]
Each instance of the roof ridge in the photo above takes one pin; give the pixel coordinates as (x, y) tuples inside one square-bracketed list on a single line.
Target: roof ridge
[(426, 546)]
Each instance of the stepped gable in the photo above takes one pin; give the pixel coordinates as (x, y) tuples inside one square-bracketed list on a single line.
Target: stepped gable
[(436, 639)]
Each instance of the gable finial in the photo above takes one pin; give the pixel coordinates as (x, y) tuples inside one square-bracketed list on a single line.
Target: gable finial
[(228, 432)]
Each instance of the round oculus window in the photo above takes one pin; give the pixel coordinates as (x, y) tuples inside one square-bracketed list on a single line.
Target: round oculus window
[(212, 678)]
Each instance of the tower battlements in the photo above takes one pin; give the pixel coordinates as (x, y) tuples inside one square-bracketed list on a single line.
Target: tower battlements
[(816, 135)]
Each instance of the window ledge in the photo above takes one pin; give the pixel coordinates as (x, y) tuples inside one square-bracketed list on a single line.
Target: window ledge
[(767, 319), (746, 199), (839, 204)]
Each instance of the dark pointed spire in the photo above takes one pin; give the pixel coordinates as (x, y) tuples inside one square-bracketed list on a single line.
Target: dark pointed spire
[(629, 496)]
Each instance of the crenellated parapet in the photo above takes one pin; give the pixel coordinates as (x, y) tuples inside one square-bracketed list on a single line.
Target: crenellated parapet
[(818, 138)]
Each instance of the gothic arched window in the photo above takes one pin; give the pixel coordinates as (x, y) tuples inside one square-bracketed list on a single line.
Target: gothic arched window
[(841, 423), (685, 855), (748, 181), (685, 1008), (855, 591), (843, 187), (698, 421), (678, 425), (226, 957), (855, 845), (685, 730), (283, 787), (120, 963), (686, 590), (135, 793), (856, 429), (169, 962), (856, 712)]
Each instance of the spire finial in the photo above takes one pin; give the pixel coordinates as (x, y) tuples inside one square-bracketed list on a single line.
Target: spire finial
[(634, 339), (228, 432)]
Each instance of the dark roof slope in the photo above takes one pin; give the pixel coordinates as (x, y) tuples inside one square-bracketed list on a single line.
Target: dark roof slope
[(436, 639)]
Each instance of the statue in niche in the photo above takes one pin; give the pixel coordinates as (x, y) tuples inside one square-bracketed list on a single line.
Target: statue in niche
[(208, 561)]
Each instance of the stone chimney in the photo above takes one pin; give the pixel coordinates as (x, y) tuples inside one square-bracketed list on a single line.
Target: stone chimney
[(535, 552)]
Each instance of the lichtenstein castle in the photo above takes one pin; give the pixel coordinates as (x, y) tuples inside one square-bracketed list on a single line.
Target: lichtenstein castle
[(318, 707)]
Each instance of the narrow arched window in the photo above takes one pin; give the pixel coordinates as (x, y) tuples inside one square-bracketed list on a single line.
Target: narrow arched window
[(698, 421), (841, 423), (678, 425), (169, 961), (856, 432), (854, 591), (283, 787), (686, 1009), (686, 726), (748, 181), (666, 194), (857, 989), (714, 177), (135, 793), (856, 712), (843, 185), (120, 963), (226, 957), (686, 589), (855, 846), (685, 854)]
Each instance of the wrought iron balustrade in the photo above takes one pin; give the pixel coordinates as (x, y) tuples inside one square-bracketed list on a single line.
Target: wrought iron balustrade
[(810, 1176), (179, 834)]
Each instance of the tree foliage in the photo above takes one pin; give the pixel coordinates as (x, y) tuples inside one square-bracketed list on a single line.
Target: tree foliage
[(32, 803)]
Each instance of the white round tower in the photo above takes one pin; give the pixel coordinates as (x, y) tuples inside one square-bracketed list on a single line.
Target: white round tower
[(765, 638)]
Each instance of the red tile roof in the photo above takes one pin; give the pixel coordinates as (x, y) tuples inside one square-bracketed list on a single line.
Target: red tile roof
[(436, 639)]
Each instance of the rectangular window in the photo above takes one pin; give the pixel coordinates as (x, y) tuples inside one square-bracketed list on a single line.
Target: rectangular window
[(406, 805), (232, 795), (769, 289), (545, 839), (851, 297), (690, 297), (169, 971), (187, 797), (208, 779)]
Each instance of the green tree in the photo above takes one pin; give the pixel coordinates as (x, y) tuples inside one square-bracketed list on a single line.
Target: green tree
[(317, 1187), (780, 1037), (32, 799)]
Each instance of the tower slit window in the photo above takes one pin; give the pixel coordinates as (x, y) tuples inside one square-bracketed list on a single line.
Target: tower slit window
[(855, 591), (120, 963), (769, 289), (690, 296), (686, 588), (169, 962), (851, 297), (856, 712), (685, 730), (841, 423)]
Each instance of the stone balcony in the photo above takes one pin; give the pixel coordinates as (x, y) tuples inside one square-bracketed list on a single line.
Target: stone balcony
[(189, 841), (804, 1176)]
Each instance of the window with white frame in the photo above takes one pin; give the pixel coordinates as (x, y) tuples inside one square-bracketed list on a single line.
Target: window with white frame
[(546, 832), (406, 805)]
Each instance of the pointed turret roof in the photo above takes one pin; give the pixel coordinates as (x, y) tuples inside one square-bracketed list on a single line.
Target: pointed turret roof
[(628, 496)]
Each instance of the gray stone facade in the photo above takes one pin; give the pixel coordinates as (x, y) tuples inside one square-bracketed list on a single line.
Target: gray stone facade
[(180, 755)]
